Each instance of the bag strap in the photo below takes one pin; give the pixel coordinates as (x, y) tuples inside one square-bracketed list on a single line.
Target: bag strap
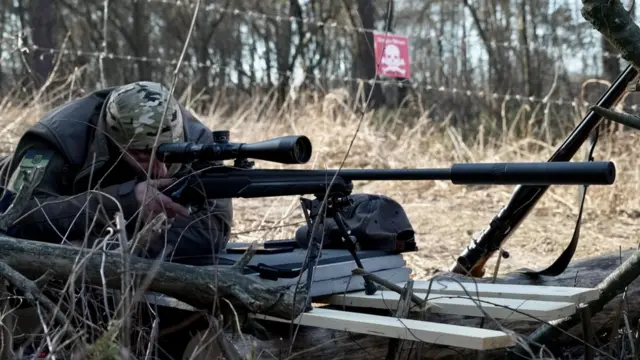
[(562, 262)]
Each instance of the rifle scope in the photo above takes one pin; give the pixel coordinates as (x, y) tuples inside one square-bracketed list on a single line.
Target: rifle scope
[(285, 150)]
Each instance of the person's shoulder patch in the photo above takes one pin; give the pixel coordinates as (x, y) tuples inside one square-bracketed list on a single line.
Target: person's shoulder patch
[(36, 158), (32, 160)]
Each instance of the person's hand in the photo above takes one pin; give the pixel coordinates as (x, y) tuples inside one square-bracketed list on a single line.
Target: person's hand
[(157, 202)]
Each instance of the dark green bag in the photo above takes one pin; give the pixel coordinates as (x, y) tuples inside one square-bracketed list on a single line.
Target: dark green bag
[(377, 221)]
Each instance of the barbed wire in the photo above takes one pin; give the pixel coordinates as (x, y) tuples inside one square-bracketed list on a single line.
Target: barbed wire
[(417, 85), (250, 14)]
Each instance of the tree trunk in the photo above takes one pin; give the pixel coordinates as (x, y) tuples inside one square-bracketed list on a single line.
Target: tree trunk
[(42, 21), (141, 19), (364, 66), (196, 286), (524, 45)]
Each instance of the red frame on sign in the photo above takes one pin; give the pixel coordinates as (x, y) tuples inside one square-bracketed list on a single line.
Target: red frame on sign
[(392, 55)]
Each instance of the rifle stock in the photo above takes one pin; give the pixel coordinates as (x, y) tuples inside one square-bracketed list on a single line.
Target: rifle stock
[(473, 258)]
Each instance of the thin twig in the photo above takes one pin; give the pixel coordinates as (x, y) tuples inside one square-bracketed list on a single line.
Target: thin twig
[(389, 285), (33, 294), (246, 257)]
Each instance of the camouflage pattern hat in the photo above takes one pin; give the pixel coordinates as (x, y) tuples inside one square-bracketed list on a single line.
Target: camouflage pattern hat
[(134, 113)]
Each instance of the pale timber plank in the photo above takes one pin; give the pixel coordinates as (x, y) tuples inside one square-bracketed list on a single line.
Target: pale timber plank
[(574, 295), (404, 329), (499, 308)]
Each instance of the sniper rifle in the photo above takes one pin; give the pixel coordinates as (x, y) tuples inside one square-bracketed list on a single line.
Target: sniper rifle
[(241, 181)]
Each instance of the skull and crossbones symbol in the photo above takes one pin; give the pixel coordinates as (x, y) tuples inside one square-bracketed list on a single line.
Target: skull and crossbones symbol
[(391, 58)]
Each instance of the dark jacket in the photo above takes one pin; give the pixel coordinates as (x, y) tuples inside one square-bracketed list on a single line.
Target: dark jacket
[(82, 157)]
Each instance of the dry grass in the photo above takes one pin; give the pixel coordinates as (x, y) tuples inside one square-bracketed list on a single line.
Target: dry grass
[(445, 216)]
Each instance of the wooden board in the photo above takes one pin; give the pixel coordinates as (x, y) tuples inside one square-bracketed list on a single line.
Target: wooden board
[(511, 303), (574, 295), (405, 329), (499, 308)]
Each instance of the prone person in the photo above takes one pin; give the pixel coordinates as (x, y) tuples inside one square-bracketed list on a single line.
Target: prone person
[(94, 153)]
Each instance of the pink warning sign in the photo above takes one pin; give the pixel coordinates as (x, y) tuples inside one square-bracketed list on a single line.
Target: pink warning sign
[(392, 55)]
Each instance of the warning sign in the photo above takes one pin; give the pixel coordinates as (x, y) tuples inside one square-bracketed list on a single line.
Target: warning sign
[(392, 55)]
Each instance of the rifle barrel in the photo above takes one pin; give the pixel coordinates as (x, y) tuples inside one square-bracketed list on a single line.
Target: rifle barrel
[(228, 182)]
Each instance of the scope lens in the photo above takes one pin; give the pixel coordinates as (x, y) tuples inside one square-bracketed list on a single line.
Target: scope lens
[(302, 150)]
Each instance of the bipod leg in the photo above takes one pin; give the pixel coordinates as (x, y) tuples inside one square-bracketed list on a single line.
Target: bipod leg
[(314, 243), (351, 242)]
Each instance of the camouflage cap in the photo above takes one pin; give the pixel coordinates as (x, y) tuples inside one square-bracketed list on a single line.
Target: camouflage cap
[(134, 113)]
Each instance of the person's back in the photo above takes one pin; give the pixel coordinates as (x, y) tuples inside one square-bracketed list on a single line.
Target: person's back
[(80, 147)]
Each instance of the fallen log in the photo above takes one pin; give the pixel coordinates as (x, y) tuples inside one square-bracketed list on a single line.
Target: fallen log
[(317, 343), (194, 285)]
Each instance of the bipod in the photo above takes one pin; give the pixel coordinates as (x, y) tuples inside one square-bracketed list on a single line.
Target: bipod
[(313, 214)]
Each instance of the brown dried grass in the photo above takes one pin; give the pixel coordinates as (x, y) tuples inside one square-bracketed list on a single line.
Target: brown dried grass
[(444, 215)]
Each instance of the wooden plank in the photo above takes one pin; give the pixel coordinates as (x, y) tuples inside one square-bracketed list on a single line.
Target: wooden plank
[(574, 295), (404, 329), (499, 308)]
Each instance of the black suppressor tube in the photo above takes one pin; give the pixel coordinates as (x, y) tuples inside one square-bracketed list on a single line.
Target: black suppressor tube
[(560, 173)]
